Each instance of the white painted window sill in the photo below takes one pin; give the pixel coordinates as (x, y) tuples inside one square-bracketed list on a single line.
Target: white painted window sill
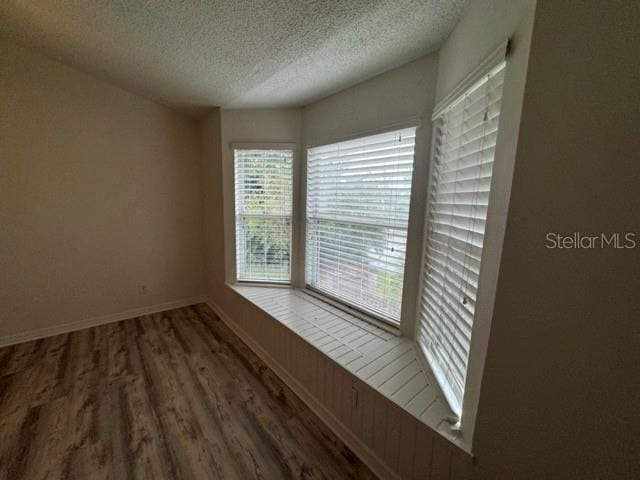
[(388, 363)]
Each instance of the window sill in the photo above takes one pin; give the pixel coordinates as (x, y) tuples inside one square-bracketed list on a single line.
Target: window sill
[(388, 363), (253, 283), (352, 311)]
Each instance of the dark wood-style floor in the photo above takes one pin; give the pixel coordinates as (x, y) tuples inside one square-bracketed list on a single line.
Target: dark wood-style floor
[(174, 395)]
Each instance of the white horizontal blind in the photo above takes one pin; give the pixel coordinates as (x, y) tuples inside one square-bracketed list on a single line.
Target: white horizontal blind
[(263, 184), (464, 145), (358, 195)]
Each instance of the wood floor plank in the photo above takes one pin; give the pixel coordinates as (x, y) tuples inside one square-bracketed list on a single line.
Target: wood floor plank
[(140, 450), (265, 418), (173, 395)]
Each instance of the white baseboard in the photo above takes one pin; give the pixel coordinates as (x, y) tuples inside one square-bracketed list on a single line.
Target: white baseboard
[(95, 321), (336, 426)]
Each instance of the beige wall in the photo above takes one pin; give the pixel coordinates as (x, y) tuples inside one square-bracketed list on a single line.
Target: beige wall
[(212, 194), (99, 194), (560, 391), (401, 94)]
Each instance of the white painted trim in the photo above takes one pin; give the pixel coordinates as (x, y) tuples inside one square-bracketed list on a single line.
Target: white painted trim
[(326, 416), (423, 238), (263, 146), (379, 322), (39, 333), (297, 218), (415, 228), (299, 272), (243, 283)]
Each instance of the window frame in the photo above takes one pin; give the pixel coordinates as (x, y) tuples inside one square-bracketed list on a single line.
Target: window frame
[(371, 317), (495, 226), (233, 277), (406, 324)]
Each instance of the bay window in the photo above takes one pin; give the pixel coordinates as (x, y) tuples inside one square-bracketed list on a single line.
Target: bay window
[(354, 229)]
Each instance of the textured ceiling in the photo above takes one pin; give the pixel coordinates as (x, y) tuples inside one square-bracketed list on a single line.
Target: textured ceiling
[(252, 53)]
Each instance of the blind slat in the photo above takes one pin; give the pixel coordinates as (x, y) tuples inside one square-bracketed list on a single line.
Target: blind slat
[(263, 205), (358, 195), (456, 216)]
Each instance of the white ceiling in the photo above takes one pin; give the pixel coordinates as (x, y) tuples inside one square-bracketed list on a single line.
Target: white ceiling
[(251, 53)]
